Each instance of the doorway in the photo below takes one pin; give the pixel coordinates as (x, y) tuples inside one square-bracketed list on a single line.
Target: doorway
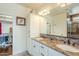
[(6, 35)]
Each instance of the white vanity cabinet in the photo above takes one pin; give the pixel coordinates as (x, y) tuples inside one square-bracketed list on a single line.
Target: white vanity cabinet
[(35, 48), (39, 49), (52, 52), (43, 50)]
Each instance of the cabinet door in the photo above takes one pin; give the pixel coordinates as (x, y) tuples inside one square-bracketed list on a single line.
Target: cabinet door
[(43, 50), (38, 25), (35, 48), (34, 26), (52, 52)]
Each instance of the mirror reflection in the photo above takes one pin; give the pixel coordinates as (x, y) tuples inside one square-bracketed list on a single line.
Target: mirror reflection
[(73, 26), (62, 20)]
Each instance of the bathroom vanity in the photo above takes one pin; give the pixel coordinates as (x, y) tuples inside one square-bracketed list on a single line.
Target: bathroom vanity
[(47, 47)]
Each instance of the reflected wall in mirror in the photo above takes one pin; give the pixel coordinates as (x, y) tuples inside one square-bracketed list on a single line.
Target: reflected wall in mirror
[(56, 24), (73, 26)]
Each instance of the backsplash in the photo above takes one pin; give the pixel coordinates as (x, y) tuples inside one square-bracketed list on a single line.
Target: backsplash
[(53, 36), (70, 41)]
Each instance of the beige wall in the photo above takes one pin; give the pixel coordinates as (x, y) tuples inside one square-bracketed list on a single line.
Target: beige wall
[(59, 25)]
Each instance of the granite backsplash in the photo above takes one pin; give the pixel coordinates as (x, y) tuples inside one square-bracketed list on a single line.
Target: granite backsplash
[(67, 40)]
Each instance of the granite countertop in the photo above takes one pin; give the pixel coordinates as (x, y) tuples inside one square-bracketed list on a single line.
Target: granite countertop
[(52, 44)]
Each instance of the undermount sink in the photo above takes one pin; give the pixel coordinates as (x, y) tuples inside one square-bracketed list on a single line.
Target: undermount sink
[(68, 48)]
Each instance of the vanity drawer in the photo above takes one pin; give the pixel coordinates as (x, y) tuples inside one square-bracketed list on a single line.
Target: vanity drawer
[(43, 50)]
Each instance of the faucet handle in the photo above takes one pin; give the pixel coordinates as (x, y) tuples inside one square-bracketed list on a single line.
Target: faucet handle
[(69, 42)]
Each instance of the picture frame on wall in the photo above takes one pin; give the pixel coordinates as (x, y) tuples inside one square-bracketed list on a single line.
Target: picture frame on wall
[(20, 21)]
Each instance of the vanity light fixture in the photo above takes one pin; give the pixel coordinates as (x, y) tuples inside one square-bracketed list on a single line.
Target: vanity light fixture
[(44, 12)]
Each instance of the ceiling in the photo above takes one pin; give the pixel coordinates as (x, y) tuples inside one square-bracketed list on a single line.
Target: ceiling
[(36, 6), (54, 8)]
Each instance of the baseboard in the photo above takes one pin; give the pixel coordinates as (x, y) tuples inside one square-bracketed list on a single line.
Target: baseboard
[(24, 53), (28, 53)]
